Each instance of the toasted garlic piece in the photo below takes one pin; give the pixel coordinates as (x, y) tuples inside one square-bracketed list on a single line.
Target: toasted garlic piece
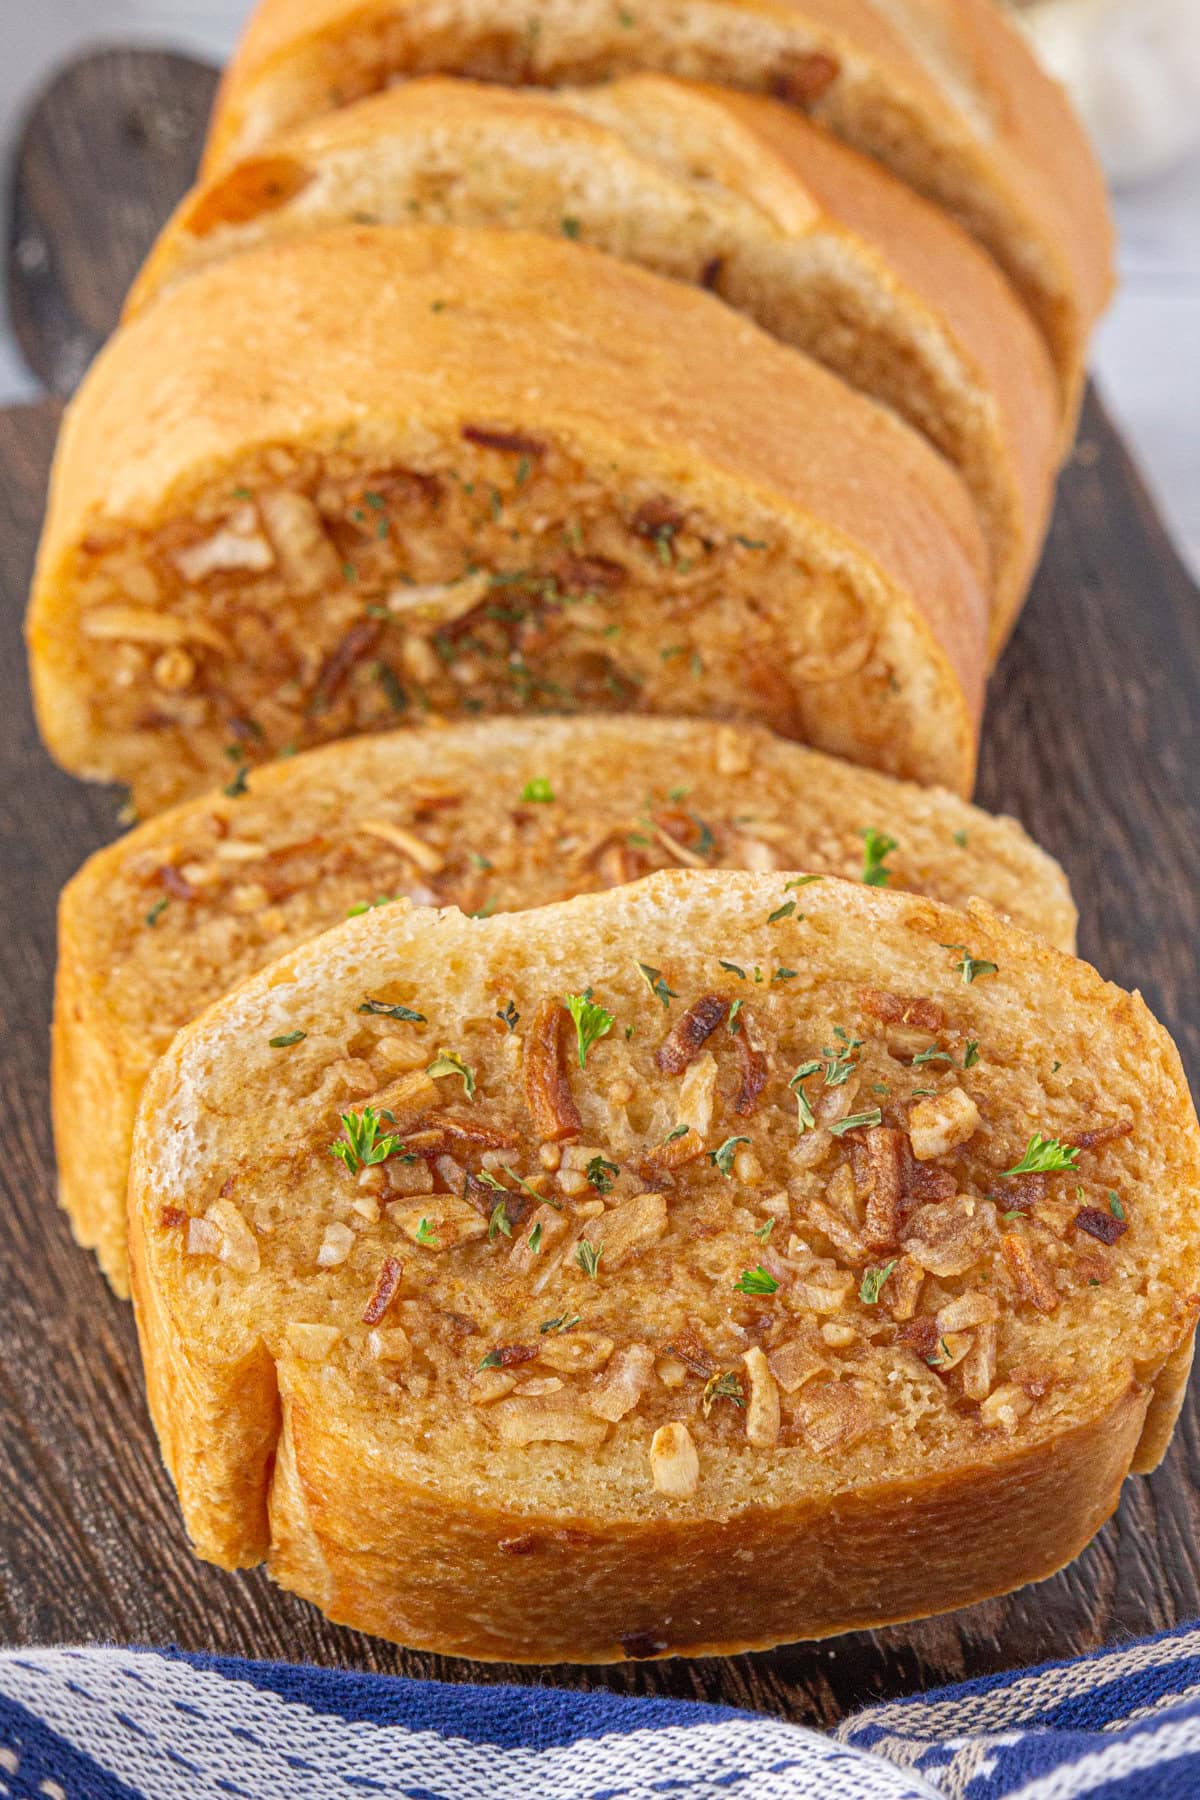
[(674, 1464), (762, 1408), (941, 1124), (1005, 1407), (239, 1246), (390, 1344), (427, 859), (311, 1343), (336, 1246)]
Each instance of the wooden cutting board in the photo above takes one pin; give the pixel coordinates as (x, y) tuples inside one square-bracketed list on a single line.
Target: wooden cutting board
[(1091, 739)]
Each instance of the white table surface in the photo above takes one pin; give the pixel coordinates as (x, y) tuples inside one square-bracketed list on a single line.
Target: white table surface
[(1147, 355)]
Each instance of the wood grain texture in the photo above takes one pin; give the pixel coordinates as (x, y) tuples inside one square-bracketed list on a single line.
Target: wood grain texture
[(1091, 740)]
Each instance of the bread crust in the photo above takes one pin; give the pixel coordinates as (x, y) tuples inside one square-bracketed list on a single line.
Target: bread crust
[(264, 351), (816, 243), (451, 1559), (946, 92)]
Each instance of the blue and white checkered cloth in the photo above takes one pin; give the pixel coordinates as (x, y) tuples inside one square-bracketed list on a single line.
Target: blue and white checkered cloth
[(108, 1724)]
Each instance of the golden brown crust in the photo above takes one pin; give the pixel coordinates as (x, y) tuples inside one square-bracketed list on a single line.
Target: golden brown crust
[(984, 1486), (814, 242), (136, 961), (946, 92), (264, 352), (344, 1531)]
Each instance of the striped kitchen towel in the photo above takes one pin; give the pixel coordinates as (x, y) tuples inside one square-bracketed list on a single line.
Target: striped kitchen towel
[(113, 1724)]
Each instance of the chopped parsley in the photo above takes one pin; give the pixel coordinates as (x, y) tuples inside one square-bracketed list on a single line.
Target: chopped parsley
[(602, 1173), (493, 1360), (564, 1322), (1043, 1156), (970, 1057), (1114, 1204), (362, 1147), (732, 967), (157, 910), (784, 975), (756, 1281), (858, 1122), (840, 1057), (238, 786), (287, 1040), (538, 791), (877, 847), (509, 1016), (653, 979), (971, 967), (960, 838), (591, 1021), (365, 906), (781, 912), (872, 1283), (733, 1022), (448, 1062), (722, 1158), (764, 1231), (393, 691), (425, 1232), (499, 1221), (570, 227), (535, 1239), (380, 1009), (588, 1255), (722, 1387), (807, 1118)]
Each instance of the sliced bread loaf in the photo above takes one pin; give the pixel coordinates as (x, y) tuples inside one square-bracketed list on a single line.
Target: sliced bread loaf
[(817, 244), (946, 93), (488, 817), (636, 1306), (377, 476)]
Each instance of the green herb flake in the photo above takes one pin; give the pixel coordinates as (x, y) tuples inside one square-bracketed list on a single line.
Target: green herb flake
[(509, 1017), (535, 1240), (366, 906), (971, 967), (493, 1359), (862, 1121), (781, 912), (960, 838), (239, 785), (591, 1021), (1044, 1156), (564, 1322), (1114, 1204), (722, 1387), (764, 1231), (756, 1281), (156, 911), (570, 227), (427, 1235), (538, 792), (362, 1146), (653, 979), (722, 1158), (499, 1221), (287, 1040), (877, 847), (734, 1022), (448, 1062), (379, 1009), (588, 1255), (872, 1283), (732, 968), (602, 1174)]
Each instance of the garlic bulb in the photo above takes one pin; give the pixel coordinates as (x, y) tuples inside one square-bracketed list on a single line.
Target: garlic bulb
[(1132, 68)]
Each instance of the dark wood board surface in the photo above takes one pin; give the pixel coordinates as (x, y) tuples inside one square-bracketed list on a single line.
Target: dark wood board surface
[(1091, 739)]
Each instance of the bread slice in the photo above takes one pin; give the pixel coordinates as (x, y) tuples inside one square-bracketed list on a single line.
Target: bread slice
[(946, 93), (816, 244), (656, 1308), (488, 817), (380, 476)]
